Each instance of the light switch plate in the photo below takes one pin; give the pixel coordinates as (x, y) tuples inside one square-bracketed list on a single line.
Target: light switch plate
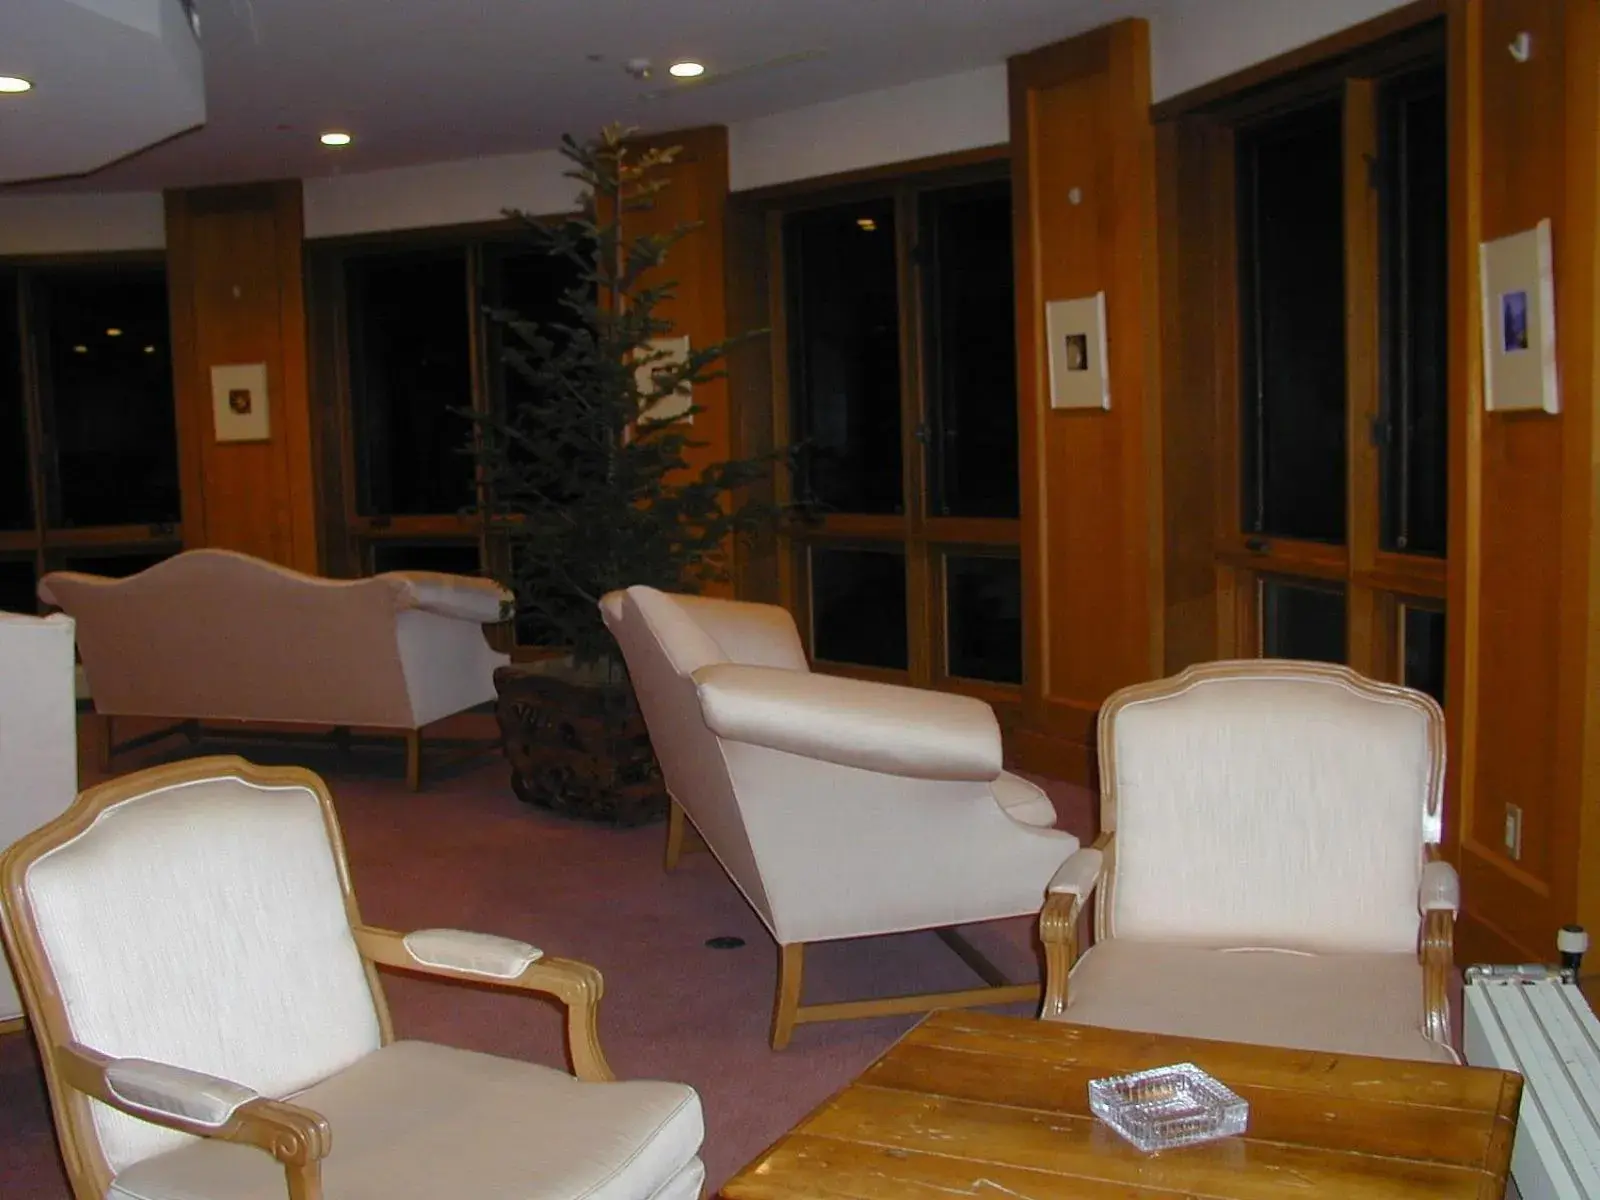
[(1514, 831)]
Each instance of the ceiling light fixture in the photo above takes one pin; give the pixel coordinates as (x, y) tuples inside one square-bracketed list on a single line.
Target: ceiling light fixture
[(113, 332), (335, 137), (686, 69), (14, 83)]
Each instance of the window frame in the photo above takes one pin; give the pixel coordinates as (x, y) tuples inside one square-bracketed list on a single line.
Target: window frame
[(923, 537), (1376, 581)]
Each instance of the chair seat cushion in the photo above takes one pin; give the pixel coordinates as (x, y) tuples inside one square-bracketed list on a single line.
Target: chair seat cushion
[(1340, 1003), (417, 1121), (1023, 801)]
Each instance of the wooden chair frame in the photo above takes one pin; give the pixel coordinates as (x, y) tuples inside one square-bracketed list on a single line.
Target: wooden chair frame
[(296, 1137), (1062, 916), (787, 1011)]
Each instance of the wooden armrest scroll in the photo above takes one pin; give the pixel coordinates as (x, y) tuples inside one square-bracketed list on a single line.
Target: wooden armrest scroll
[(577, 985), (1439, 899), (1069, 891), (297, 1137)]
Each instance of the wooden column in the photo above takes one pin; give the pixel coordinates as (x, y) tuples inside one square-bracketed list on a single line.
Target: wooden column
[(1524, 662), (234, 273), (1084, 184), (697, 194)]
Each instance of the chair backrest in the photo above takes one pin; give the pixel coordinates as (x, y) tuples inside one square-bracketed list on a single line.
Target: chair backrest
[(197, 914), (217, 634), (1269, 803), (38, 738), (666, 638)]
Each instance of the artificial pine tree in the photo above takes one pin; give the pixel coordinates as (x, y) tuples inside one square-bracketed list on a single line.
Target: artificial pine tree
[(591, 494)]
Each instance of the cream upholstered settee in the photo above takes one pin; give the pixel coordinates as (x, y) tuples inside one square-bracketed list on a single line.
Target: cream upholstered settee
[(221, 636)]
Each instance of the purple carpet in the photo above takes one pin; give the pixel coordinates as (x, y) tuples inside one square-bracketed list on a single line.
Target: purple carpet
[(466, 853)]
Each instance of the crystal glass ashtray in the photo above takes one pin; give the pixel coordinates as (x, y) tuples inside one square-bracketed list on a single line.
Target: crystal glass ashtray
[(1166, 1107)]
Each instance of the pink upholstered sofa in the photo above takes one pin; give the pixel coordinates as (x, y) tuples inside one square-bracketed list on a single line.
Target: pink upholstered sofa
[(216, 635)]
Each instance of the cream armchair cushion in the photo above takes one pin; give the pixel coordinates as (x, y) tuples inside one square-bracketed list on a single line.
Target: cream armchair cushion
[(206, 997), (840, 808), (1266, 870)]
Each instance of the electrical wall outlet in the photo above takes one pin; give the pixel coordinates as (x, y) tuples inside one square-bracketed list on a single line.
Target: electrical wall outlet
[(1514, 831)]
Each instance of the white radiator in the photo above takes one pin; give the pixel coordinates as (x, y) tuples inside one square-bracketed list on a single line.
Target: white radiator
[(1534, 1020)]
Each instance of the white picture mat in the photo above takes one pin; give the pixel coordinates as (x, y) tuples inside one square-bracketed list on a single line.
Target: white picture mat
[(1519, 323), (1075, 331), (676, 406), (252, 426)]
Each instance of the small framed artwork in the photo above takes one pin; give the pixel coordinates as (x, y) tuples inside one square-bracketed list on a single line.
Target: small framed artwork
[(239, 408), (1076, 332), (1519, 323), (669, 354)]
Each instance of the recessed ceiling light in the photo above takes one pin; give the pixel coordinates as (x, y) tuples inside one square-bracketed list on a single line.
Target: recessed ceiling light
[(335, 137), (113, 332), (686, 70), (14, 83)]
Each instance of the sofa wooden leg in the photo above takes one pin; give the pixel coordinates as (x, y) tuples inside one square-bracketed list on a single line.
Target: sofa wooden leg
[(414, 759), (791, 976), (104, 737), (675, 823)]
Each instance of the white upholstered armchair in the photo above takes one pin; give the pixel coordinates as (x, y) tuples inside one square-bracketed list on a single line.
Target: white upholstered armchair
[(1267, 869), (212, 1025), (840, 808)]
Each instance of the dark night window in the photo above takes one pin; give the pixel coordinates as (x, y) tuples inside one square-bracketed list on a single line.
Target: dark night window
[(1423, 649), (105, 392), (970, 350), (410, 351), (1414, 248), (844, 354), (16, 509), (858, 607), (1302, 620), (452, 558), (115, 566), (1291, 282), (983, 617), (17, 581)]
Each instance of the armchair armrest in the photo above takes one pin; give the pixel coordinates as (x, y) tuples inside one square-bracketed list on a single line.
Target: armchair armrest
[(465, 597), (1071, 886), (487, 959), (880, 727), (206, 1106), (1441, 888)]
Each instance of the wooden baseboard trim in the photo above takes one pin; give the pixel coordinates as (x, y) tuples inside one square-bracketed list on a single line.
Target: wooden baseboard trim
[(1054, 757), (13, 1025)]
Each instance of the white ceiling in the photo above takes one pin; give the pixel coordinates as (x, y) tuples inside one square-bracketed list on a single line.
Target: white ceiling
[(425, 80)]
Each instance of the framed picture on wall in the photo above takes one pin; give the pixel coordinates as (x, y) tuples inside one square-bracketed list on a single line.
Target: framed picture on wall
[(1076, 333), (1519, 323), (239, 403)]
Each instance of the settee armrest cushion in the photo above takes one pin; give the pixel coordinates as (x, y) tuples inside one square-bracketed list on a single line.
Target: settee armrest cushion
[(1441, 888), (880, 727), (162, 1089), (473, 953), (466, 597)]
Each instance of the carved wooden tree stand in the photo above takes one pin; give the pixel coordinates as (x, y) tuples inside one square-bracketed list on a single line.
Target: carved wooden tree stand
[(578, 750)]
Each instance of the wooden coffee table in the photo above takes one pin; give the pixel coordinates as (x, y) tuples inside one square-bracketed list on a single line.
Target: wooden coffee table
[(972, 1105)]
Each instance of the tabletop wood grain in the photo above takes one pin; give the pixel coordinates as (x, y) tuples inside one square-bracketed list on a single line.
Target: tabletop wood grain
[(969, 1104)]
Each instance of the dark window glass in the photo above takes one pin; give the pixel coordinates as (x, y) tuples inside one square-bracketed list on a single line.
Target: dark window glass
[(453, 558), (970, 350), (1413, 238), (105, 382), (983, 615), (1291, 283), (844, 354), (115, 566), (858, 607), (16, 509), (1422, 636), (410, 375), (17, 582), (1302, 620)]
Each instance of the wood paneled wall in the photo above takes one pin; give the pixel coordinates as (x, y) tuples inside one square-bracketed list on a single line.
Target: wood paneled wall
[(1525, 567), (234, 277), (1084, 187)]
